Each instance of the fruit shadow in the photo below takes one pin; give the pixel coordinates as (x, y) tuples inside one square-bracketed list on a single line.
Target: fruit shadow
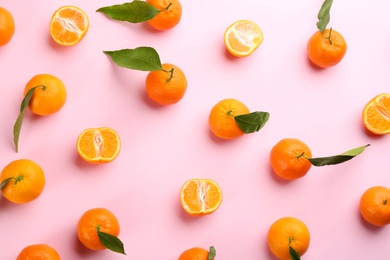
[(276, 178), (368, 226), (314, 66), (148, 101), (81, 250), (185, 217)]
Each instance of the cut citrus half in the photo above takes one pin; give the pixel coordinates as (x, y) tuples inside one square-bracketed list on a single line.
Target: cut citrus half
[(68, 25), (376, 114), (242, 38), (98, 145), (200, 196)]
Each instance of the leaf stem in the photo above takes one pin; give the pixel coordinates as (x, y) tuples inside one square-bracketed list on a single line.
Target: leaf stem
[(229, 113), (171, 73), (328, 38)]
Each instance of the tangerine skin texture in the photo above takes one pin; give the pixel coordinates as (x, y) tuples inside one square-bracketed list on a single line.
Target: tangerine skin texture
[(38, 252), (284, 230), (7, 26), (375, 205), (166, 19), (322, 52), (49, 96), (195, 253), (284, 159), (91, 221)]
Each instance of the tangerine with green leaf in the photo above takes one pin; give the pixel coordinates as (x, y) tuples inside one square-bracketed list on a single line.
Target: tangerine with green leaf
[(198, 253), (375, 205), (166, 86), (22, 181), (326, 47), (7, 26), (98, 229), (169, 15), (230, 119), (288, 238), (38, 252), (49, 94)]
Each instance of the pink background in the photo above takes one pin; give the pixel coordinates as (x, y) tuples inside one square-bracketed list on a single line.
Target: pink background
[(162, 147)]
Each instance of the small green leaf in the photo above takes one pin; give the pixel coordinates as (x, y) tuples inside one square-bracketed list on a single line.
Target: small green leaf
[(132, 12), (141, 58), (252, 122), (4, 182), (19, 120), (111, 242), (324, 15), (294, 254), (212, 253), (348, 155)]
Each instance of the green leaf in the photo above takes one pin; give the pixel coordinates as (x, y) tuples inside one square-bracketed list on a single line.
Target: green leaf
[(141, 58), (348, 155), (294, 254), (19, 120), (111, 242), (132, 12), (4, 182), (252, 122), (212, 253), (324, 15)]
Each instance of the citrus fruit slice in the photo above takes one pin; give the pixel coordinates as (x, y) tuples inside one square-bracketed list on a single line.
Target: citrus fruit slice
[(200, 196), (242, 38), (376, 114), (98, 145), (68, 25)]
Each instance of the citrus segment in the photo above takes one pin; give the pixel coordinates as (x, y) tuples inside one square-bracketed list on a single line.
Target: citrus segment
[(7, 26), (221, 118), (38, 252), (242, 38), (376, 114), (26, 183), (200, 196), (98, 145), (68, 25)]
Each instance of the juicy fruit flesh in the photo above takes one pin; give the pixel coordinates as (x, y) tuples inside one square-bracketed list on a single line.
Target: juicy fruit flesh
[(376, 115), (200, 196), (243, 37)]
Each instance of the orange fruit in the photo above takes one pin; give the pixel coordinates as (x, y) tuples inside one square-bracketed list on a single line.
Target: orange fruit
[(221, 118), (242, 38), (375, 205), (68, 25), (38, 252), (288, 160), (98, 145), (324, 50), (166, 86), (169, 15), (7, 26), (200, 196), (26, 183), (92, 221), (195, 253), (286, 232), (49, 96), (376, 114)]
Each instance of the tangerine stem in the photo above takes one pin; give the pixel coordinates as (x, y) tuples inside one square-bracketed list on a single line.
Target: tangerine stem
[(328, 38), (166, 8), (171, 73), (301, 155), (97, 228), (290, 239), (385, 202), (17, 179), (229, 113)]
